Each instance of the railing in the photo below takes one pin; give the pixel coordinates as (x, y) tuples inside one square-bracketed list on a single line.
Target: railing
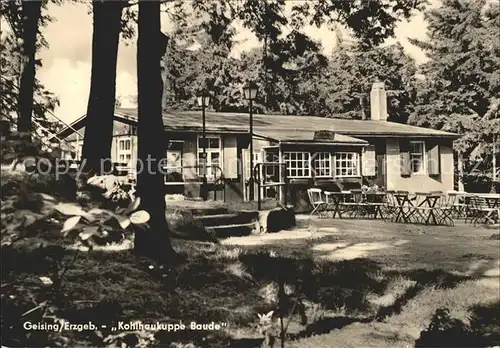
[(262, 183), (52, 134), (47, 142), (217, 180)]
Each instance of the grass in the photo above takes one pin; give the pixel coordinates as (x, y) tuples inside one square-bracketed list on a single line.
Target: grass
[(385, 297)]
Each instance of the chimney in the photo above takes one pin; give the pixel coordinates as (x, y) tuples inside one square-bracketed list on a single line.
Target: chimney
[(378, 102)]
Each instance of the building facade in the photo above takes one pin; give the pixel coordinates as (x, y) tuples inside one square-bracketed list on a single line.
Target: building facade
[(301, 151)]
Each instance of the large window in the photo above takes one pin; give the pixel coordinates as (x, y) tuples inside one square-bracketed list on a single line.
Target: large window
[(214, 156), (298, 164), (124, 150), (322, 164), (346, 164), (417, 157)]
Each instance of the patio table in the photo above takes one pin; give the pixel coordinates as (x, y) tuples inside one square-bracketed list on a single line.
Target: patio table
[(405, 207), (336, 199), (428, 207)]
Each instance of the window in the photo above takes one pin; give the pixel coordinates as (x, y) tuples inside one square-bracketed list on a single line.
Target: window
[(256, 159), (124, 150), (298, 164), (124, 144), (417, 157), (214, 156), (346, 164), (322, 164), (125, 158), (272, 170)]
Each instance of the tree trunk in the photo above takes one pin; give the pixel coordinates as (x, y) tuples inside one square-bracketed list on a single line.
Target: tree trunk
[(151, 45), (101, 106), (31, 12)]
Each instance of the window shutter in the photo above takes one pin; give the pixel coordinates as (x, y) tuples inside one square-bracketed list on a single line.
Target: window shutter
[(433, 158), (369, 161), (190, 159), (404, 150), (230, 157)]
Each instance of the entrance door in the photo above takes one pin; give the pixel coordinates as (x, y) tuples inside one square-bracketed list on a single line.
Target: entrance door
[(381, 153), (174, 163), (257, 158)]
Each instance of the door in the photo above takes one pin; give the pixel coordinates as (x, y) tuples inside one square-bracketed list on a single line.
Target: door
[(257, 158), (381, 169), (173, 169)]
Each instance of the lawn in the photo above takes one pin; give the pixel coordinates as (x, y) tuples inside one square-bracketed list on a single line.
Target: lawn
[(361, 284)]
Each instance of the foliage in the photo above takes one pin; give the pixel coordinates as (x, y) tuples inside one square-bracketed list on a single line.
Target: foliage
[(10, 72), (370, 21), (294, 75), (352, 71), (461, 86), (446, 331)]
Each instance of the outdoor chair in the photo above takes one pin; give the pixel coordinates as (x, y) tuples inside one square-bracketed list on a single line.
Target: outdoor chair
[(359, 203), (460, 206), (318, 203), (391, 205), (446, 211), (480, 212), (349, 203)]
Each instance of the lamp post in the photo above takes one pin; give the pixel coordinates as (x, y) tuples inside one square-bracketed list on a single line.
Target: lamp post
[(203, 98), (250, 90)]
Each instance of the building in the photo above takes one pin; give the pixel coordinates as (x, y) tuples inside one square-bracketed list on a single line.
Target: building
[(303, 151)]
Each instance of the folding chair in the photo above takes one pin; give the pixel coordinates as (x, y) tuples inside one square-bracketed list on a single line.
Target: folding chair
[(460, 205), (318, 203), (391, 206), (481, 211), (349, 203), (361, 207), (446, 210)]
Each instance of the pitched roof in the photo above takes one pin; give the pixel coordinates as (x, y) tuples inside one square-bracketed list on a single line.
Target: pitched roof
[(280, 124)]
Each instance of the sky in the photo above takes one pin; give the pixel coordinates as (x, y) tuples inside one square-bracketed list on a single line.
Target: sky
[(66, 62)]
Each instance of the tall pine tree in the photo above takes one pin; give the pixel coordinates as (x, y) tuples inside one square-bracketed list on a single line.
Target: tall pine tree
[(460, 91)]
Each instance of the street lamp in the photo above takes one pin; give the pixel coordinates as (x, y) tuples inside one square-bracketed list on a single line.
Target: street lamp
[(250, 90), (203, 98)]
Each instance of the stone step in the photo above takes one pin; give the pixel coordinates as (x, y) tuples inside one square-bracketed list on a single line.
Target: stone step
[(227, 219), (199, 212), (234, 230)]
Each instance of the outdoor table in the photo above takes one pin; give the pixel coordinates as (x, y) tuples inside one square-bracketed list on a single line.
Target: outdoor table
[(337, 198), (429, 204), (375, 200), (404, 207)]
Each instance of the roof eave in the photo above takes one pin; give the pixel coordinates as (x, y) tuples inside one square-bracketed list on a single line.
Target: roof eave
[(399, 135), (336, 143)]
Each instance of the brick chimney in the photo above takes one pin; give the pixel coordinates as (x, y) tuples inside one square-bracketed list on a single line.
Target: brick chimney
[(378, 102)]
